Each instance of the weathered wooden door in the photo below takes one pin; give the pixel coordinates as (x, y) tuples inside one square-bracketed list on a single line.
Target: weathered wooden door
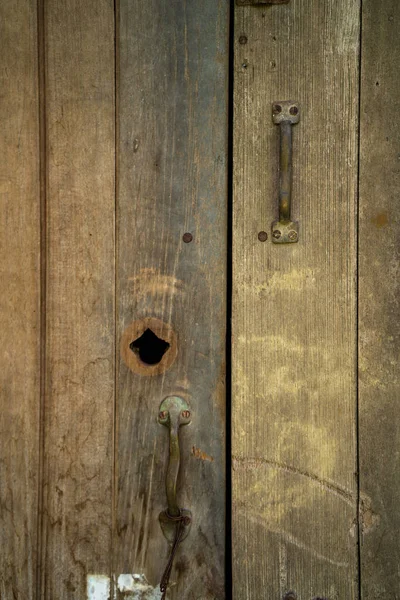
[(139, 183)]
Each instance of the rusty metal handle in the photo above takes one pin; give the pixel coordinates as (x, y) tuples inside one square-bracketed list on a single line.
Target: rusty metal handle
[(285, 114), (174, 521), (174, 412)]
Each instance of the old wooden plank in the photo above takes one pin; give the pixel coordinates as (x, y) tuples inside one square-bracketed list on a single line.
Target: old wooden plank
[(294, 306), (78, 456), (379, 326), (19, 298), (173, 69)]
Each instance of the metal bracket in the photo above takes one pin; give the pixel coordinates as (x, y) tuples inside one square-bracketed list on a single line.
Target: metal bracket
[(259, 2), (285, 114)]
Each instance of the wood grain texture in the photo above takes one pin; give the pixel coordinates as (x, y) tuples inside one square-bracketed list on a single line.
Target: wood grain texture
[(78, 455), (19, 298), (294, 306), (379, 306), (173, 70)]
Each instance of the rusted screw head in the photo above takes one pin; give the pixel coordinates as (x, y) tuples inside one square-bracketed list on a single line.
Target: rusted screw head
[(293, 110), (277, 108), (243, 39), (292, 235), (185, 414), (162, 414), (187, 237), (276, 234), (263, 236)]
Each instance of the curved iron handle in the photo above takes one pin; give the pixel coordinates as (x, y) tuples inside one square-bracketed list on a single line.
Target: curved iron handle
[(174, 412), (285, 114)]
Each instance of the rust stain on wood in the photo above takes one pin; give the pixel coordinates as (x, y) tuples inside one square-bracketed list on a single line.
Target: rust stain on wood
[(380, 220), (197, 453)]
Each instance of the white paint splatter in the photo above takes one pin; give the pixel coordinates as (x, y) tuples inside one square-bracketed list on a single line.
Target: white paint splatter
[(136, 587), (98, 587), (131, 586)]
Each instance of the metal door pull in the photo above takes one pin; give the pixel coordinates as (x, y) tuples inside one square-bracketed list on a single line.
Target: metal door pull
[(285, 114), (175, 522)]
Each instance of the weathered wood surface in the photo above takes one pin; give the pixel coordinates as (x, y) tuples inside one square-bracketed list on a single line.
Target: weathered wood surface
[(78, 459), (172, 180), (294, 306), (379, 306), (19, 298)]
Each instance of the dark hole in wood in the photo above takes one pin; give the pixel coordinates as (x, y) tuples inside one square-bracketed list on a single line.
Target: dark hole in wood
[(150, 347)]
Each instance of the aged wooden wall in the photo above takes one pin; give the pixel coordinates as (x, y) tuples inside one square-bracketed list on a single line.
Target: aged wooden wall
[(114, 196), (294, 306), (114, 191)]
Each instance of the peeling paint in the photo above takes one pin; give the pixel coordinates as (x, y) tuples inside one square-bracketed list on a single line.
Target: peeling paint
[(136, 587), (98, 587), (127, 587)]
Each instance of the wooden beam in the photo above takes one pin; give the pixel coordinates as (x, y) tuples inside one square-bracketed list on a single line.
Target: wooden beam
[(294, 306), (80, 296), (172, 200), (379, 305), (19, 299)]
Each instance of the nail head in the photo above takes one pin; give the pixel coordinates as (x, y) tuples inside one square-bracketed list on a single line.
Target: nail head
[(263, 236)]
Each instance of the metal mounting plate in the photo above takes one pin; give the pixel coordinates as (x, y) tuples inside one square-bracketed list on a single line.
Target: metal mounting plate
[(285, 110), (255, 2), (285, 232)]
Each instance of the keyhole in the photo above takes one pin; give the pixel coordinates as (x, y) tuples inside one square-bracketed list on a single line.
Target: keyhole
[(150, 347)]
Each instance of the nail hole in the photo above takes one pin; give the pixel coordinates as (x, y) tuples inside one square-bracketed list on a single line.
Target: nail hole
[(243, 39), (377, 83), (150, 347), (293, 110), (245, 65), (187, 237), (263, 236), (290, 596)]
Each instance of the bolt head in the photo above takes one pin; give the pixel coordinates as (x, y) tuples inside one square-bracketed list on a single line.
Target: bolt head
[(276, 234), (185, 414)]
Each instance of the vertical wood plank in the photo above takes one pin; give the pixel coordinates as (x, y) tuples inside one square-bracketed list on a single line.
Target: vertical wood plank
[(379, 328), (19, 298), (294, 306), (80, 295), (172, 167)]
